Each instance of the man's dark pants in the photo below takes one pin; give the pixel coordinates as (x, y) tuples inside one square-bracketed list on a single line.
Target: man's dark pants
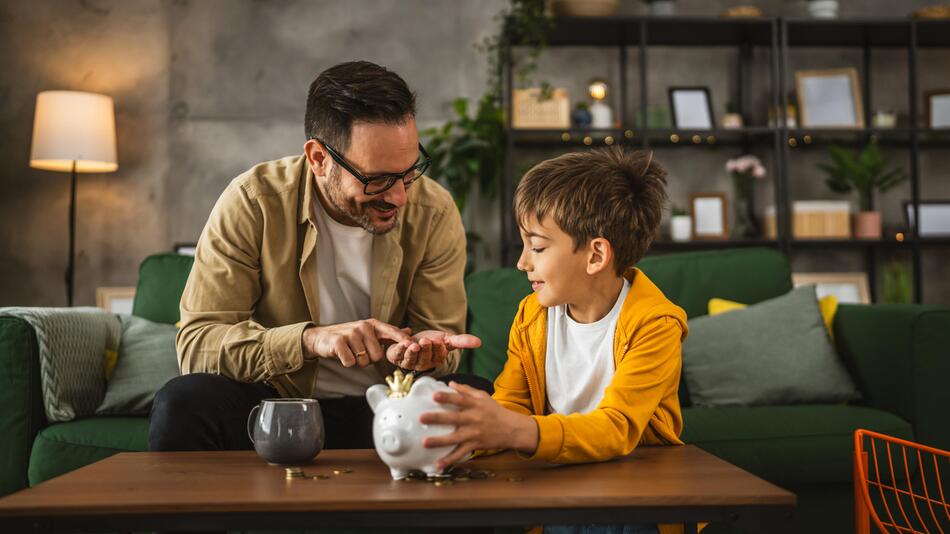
[(198, 412)]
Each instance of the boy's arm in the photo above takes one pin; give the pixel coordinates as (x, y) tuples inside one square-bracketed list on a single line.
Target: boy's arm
[(641, 398)]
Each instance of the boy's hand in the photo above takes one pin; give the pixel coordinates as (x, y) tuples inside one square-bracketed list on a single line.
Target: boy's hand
[(428, 349), (481, 423)]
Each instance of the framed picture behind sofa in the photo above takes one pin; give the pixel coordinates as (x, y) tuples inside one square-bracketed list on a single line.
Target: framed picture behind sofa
[(116, 299), (848, 288)]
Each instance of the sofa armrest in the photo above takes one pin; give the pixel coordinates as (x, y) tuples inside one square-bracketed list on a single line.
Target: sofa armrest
[(21, 401), (899, 355)]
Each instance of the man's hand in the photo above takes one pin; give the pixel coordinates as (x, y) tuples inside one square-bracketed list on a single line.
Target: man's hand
[(356, 343), (481, 423), (428, 349)]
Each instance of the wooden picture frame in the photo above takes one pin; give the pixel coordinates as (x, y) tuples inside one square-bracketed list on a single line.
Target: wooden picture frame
[(937, 108), (829, 98), (710, 214), (691, 108), (115, 299), (530, 112), (848, 288)]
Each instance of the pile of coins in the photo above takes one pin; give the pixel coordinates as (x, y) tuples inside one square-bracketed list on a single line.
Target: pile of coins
[(453, 475)]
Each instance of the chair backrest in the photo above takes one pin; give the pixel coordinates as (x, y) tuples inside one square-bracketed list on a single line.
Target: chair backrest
[(161, 282), (689, 279)]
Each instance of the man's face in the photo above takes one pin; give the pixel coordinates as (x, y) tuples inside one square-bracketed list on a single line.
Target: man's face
[(374, 149)]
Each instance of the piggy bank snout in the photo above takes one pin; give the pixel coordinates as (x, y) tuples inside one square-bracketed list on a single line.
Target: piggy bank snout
[(393, 442)]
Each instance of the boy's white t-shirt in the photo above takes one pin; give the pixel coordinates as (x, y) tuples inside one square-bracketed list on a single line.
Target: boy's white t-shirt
[(579, 363), (344, 259)]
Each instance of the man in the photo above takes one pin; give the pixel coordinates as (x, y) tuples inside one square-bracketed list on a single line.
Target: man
[(317, 275)]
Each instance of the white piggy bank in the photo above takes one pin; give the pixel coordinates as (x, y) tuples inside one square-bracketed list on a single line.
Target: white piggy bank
[(397, 432)]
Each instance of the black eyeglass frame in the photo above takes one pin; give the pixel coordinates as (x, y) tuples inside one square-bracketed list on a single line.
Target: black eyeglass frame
[(417, 170)]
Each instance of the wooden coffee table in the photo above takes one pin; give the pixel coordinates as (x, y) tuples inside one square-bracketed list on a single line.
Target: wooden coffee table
[(219, 490)]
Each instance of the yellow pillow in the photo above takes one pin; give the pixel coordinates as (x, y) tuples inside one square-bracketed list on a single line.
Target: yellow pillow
[(828, 306)]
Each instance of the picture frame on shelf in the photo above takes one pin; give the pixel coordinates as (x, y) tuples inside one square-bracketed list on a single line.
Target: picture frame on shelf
[(691, 108), (937, 105), (115, 299), (185, 249), (829, 98), (848, 288), (709, 212), (934, 217)]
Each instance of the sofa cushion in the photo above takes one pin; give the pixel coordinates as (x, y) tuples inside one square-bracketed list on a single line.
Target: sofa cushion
[(63, 447), (162, 280), (493, 298), (788, 445), (772, 353), (147, 359)]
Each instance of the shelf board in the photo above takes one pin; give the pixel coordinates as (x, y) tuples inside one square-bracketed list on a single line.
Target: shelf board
[(716, 31), (848, 243), (656, 136)]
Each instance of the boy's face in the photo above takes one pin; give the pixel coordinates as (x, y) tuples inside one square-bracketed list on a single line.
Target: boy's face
[(557, 273)]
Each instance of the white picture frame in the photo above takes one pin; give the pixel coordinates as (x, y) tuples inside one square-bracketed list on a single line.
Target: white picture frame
[(709, 214), (934, 217), (938, 109), (848, 288), (116, 299), (829, 98), (691, 108)]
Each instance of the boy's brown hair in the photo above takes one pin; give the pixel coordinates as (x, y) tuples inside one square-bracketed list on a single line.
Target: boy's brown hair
[(612, 193)]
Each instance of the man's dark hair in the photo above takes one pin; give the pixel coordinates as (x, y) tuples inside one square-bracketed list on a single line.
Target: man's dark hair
[(355, 91)]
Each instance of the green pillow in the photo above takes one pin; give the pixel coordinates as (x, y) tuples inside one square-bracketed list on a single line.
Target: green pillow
[(772, 353), (147, 359)]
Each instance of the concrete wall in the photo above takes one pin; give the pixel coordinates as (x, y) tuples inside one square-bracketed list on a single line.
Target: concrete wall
[(206, 88)]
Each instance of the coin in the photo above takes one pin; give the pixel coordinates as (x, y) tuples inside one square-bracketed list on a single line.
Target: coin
[(293, 472), (461, 479), (446, 482), (320, 477), (439, 476), (515, 479), (460, 472), (342, 471)]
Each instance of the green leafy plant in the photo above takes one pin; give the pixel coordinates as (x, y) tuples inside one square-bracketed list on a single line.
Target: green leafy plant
[(897, 283), (469, 149), (862, 173)]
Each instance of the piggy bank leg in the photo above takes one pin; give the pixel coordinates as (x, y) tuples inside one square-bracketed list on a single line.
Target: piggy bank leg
[(432, 470), (398, 474)]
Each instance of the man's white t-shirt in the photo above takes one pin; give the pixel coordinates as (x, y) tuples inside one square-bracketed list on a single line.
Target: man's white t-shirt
[(579, 363), (344, 260)]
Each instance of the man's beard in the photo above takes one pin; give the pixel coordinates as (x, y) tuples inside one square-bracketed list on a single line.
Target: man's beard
[(353, 211)]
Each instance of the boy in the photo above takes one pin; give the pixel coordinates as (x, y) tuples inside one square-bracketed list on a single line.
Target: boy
[(594, 352)]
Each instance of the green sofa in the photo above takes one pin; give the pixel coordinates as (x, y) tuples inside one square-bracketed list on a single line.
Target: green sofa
[(896, 353)]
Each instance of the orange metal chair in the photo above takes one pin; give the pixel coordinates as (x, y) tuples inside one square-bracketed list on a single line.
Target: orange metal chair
[(898, 486)]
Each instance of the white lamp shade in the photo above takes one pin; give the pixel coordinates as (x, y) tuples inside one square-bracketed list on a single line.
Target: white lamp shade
[(74, 126)]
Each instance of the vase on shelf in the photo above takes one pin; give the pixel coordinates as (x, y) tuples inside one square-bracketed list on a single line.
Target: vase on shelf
[(747, 224)]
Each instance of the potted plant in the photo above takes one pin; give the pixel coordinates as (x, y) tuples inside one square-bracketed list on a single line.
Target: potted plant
[(862, 173), (897, 283), (681, 224)]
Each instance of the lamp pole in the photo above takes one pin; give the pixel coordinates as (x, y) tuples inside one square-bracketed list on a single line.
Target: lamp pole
[(71, 264)]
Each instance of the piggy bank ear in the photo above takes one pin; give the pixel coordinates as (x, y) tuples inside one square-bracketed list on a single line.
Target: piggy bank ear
[(426, 386), (377, 394)]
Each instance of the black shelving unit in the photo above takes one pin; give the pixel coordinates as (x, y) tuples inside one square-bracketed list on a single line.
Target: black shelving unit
[(778, 36)]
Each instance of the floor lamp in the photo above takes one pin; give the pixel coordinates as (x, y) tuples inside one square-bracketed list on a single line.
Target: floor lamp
[(73, 132)]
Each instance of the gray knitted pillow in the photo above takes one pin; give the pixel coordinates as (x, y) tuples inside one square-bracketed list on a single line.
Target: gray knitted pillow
[(72, 344)]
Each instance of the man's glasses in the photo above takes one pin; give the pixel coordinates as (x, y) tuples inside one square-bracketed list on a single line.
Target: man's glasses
[(380, 183)]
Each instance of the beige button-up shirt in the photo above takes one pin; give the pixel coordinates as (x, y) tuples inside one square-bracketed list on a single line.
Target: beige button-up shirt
[(253, 287)]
